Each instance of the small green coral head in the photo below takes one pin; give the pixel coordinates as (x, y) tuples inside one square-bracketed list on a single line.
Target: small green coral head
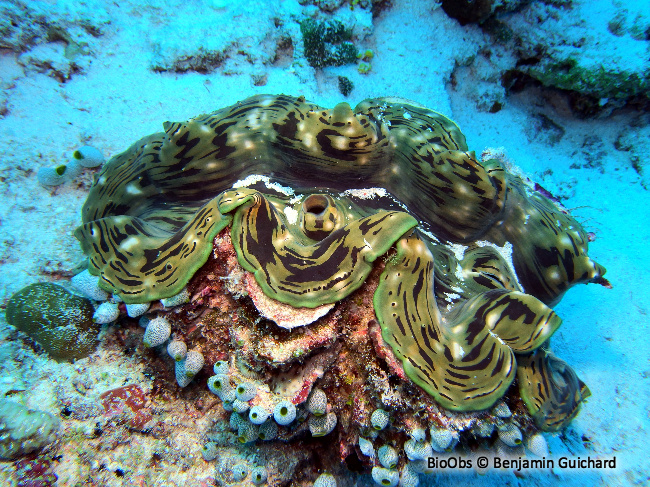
[(364, 67), (327, 43), (345, 86), (61, 322)]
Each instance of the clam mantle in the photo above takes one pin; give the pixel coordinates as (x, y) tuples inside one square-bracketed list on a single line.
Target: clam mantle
[(475, 257)]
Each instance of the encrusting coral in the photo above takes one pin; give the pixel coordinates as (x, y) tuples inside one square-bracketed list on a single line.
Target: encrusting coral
[(439, 268)]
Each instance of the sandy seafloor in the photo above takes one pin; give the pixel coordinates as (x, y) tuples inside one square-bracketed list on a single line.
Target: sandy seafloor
[(118, 98)]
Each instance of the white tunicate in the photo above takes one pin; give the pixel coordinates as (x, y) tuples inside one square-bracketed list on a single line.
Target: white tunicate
[(177, 350), (385, 477), (157, 332), (88, 156), (483, 429), (417, 450), (387, 456), (181, 377), (419, 434), (239, 472), (322, 425), (106, 313), (209, 451), (220, 386), (284, 413), (180, 298), (325, 480), (379, 419), (268, 431), (419, 466), (510, 434), (74, 169), (246, 391), (88, 285), (240, 406), (247, 432), (258, 415), (135, 310), (236, 420), (366, 447), (221, 367), (193, 363), (53, 176), (441, 439), (317, 402), (258, 475), (537, 445), (501, 410), (409, 477), (228, 397)]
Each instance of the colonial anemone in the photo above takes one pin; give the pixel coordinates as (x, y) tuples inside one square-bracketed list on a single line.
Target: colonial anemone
[(479, 255)]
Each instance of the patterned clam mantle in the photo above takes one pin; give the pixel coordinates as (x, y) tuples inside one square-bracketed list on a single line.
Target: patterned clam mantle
[(464, 300)]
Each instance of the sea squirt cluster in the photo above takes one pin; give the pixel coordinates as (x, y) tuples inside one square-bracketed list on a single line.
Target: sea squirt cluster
[(471, 257)]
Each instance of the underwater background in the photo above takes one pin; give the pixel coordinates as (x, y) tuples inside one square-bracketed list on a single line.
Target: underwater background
[(556, 90)]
